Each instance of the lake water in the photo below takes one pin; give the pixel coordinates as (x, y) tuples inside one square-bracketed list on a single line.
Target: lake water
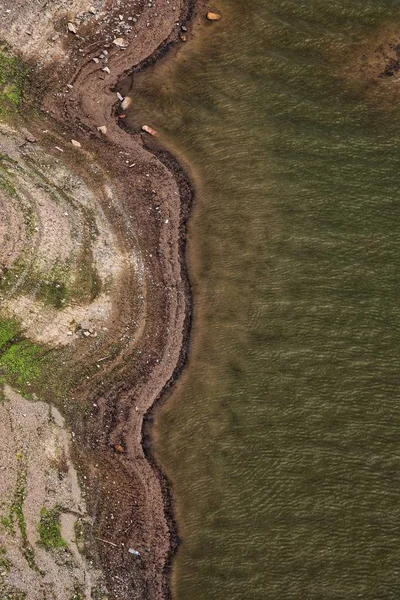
[(282, 439)]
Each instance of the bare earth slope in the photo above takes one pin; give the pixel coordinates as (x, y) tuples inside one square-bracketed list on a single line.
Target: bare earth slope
[(91, 242)]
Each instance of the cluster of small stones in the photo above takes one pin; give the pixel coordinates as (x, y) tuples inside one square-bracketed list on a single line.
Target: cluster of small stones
[(114, 27)]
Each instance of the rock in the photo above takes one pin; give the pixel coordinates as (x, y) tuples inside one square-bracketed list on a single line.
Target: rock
[(106, 70), (96, 60), (119, 448), (71, 27), (183, 38), (102, 129), (134, 552), (75, 143), (184, 28), (92, 10), (29, 137), (126, 102), (150, 130), (120, 42), (86, 329), (214, 16), (120, 98)]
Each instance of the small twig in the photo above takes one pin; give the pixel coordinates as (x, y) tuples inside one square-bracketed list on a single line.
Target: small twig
[(107, 542)]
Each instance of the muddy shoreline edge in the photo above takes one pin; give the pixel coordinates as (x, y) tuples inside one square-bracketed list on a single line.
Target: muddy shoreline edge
[(187, 194)]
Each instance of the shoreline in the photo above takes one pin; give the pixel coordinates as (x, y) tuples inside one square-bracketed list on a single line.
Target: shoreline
[(148, 420), (147, 208), (187, 196)]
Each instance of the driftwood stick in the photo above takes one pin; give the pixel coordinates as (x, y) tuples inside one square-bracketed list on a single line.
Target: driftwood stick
[(107, 542)]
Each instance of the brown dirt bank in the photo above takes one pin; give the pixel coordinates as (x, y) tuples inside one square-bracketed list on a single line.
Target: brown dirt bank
[(127, 495)]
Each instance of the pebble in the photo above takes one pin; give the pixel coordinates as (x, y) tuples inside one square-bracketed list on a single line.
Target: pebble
[(102, 129), (71, 27), (213, 16), (106, 70), (29, 137), (126, 102), (75, 143), (120, 42), (149, 130)]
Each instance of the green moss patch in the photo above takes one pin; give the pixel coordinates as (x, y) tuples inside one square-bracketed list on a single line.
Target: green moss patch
[(13, 82), (16, 517), (8, 330), (20, 363), (16, 509), (54, 293), (7, 592), (50, 529), (5, 563)]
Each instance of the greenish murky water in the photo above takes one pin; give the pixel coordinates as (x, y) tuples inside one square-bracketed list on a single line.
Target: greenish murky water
[(283, 438)]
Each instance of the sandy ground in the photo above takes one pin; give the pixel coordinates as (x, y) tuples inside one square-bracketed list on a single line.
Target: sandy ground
[(129, 210), (38, 467), (44, 233)]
